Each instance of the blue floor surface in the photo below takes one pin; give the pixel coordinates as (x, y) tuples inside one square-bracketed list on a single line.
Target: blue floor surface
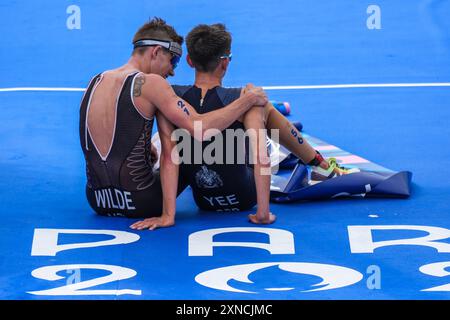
[(275, 43)]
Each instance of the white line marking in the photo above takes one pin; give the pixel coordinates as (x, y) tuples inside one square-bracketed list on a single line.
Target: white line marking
[(362, 85), (306, 87), (40, 89)]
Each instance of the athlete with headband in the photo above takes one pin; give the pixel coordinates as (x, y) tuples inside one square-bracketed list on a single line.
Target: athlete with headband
[(236, 186), (116, 119)]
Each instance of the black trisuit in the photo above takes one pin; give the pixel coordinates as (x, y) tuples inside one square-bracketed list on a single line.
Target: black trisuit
[(124, 182), (219, 187)]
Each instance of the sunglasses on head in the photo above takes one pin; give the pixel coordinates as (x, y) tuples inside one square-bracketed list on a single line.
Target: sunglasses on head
[(227, 56), (173, 47)]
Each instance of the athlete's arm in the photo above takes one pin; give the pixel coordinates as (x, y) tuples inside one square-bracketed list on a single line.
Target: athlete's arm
[(168, 168), (169, 179), (158, 91), (254, 124)]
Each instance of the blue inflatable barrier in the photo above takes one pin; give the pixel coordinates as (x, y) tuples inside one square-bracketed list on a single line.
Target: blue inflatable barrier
[(373, 180)]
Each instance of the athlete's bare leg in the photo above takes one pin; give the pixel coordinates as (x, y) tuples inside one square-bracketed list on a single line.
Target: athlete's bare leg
[(289, 136)]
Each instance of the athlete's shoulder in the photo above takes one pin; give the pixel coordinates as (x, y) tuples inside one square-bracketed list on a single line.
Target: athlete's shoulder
[(95, 78), (228, 94), (152, 77), (152, 83), (180, 90)]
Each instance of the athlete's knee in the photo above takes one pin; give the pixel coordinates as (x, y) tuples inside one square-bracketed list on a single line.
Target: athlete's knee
[(269, 109), (255, 112)]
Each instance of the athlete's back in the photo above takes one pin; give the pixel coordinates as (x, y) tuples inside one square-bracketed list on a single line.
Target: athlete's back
[(226, 185), (115, 138)]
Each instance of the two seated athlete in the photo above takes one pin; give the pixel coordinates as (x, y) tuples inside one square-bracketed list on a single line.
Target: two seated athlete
[(116, 119)]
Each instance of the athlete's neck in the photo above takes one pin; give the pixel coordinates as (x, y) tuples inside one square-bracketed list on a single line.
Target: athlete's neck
[(206, 81), (134, 64)]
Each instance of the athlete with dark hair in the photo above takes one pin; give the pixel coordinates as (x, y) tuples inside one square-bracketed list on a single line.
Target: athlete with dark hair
[(236, 186), (116, 119)]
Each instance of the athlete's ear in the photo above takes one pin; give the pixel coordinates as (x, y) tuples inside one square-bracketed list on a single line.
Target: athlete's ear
[(189, 61), (150, 53), (224, 64), (156, 51)]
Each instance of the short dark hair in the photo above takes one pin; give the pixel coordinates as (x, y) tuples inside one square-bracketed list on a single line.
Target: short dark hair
[(206, 44), (156, 28)]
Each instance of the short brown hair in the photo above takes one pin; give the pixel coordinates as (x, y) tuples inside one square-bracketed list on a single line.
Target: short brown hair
[(206, 44), (156, 28)]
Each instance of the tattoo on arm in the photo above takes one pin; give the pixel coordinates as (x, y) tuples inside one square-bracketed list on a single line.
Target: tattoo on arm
[(182, 106), (295, 133), (138, 83)]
